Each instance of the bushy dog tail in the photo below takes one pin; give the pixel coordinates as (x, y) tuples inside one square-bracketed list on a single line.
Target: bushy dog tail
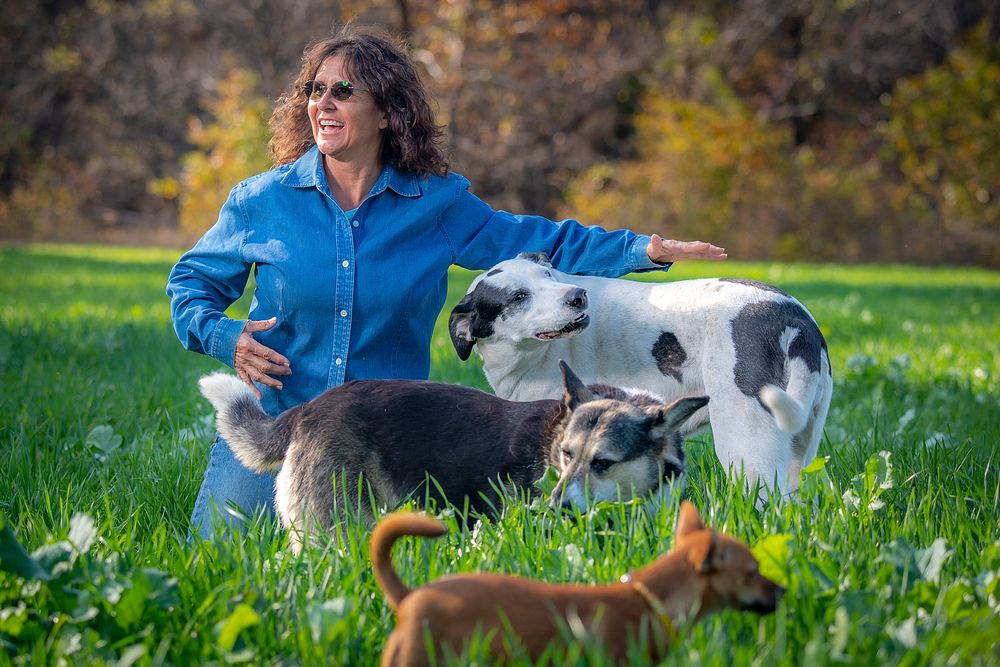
[(255, 438), (790, 413), (386, 533)]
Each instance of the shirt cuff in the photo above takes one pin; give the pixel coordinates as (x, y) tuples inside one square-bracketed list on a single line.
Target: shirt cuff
[(224, 338), (641, 261)]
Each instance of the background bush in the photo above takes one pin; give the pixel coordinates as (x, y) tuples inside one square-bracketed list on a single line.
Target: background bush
[(839, 130)]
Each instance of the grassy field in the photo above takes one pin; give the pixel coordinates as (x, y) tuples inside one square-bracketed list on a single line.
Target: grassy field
[(891, 552)]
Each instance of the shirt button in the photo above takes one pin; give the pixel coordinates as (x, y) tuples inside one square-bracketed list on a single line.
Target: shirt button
[(343, 313), (345, 264), (354, 223), (338, 361)]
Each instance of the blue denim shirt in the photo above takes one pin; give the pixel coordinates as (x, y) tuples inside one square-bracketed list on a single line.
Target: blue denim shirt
[(358, 298)]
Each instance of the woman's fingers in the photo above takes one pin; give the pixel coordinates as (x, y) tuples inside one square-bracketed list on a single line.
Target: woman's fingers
[(667, 250), (255, 362), (253, 326), (266, 356), (248, 382)]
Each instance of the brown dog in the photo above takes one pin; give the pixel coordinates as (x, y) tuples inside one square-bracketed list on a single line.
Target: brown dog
[(705, 572)]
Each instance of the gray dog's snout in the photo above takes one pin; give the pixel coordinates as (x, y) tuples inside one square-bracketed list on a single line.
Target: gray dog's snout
[(577, 298)]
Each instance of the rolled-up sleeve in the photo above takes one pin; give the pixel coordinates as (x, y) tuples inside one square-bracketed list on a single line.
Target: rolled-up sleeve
[(481, 237), (206, 281)]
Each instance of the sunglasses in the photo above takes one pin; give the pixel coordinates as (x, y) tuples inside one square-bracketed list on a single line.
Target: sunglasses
[(340, 90)]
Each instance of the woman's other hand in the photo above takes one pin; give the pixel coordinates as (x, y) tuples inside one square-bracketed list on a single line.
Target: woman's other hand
[(255, 362), (662, 250)]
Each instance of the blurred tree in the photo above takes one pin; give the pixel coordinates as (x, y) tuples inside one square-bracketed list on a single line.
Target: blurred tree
[(229, 146), (944, 133), (774, 107), (706, 168)]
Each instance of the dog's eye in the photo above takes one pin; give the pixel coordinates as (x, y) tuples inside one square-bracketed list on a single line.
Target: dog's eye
[(520, 296), (548, 274), (601, 465)]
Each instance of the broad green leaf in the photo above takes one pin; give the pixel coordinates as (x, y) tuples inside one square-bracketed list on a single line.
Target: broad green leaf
[(815, 465), (931, 559), (905, 633), (14, 559), (326, 619), (82, 532), (103, 441), (131, 655), (547, 482), (132, 601), (12, 619), (774, 553), (243, 617)]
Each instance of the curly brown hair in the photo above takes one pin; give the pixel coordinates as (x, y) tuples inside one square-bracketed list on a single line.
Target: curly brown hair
[(379, 62)]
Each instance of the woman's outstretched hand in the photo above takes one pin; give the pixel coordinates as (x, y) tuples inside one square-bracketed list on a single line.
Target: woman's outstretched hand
[(255, 362), (662, 250)]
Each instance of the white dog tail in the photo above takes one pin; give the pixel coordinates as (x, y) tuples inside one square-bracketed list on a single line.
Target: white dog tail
[(789, 414), (256, 439)]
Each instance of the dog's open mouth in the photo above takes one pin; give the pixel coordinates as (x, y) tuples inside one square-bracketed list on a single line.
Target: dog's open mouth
[(577, 324)]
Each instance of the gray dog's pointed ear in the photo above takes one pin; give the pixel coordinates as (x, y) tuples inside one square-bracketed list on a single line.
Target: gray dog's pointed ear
[(460, 327), (575, 391), (668, 418), (537, 258)]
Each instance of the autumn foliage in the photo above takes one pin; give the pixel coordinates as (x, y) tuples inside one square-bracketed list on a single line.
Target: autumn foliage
[(843, 131)]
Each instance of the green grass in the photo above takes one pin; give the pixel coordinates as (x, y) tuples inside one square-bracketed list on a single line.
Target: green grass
[(889, 558)]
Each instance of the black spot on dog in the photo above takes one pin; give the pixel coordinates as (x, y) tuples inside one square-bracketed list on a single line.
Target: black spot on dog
[(487, 302), (669, 355), (754, 283), (494, 272), (757, 330)]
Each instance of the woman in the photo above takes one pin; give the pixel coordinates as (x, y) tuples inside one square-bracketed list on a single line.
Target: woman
[(350, 238)]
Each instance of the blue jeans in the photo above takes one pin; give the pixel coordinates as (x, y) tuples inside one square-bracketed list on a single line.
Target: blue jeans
[(229, 482)]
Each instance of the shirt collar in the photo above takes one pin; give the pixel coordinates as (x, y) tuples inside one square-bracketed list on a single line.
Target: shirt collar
[(307, 172)]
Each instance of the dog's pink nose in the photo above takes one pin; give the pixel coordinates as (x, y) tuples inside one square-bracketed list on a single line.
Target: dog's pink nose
[(577, 298)]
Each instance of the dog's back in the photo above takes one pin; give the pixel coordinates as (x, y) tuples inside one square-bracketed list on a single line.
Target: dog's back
[(397, 433)]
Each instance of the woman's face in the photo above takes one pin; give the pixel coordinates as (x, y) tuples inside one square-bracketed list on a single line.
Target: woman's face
[(348, 131)]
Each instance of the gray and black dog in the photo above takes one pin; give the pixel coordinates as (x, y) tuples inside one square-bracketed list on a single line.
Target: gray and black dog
[(607, 443), (753, 349)]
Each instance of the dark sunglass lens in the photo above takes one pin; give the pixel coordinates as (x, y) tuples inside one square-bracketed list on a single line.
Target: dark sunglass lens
[(342, 90)]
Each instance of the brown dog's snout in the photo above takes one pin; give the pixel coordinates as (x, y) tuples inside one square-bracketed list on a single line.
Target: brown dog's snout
[(576, 298), (770, 595)]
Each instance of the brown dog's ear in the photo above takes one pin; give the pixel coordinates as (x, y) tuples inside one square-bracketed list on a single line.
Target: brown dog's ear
[(670, 417), (537, 258), (575, 391), (460, 327), (689, 520), (706, 552)]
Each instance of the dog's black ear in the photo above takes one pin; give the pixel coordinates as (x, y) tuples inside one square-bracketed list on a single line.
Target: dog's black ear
[(460, 324), (668, 418), (537, 258), (575, 391)]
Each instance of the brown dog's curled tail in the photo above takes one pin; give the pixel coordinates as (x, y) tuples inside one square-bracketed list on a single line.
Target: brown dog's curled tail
[(386, 533)]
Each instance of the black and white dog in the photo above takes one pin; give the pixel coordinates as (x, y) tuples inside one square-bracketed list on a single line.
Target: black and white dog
[(392, 435), (754, 350)]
